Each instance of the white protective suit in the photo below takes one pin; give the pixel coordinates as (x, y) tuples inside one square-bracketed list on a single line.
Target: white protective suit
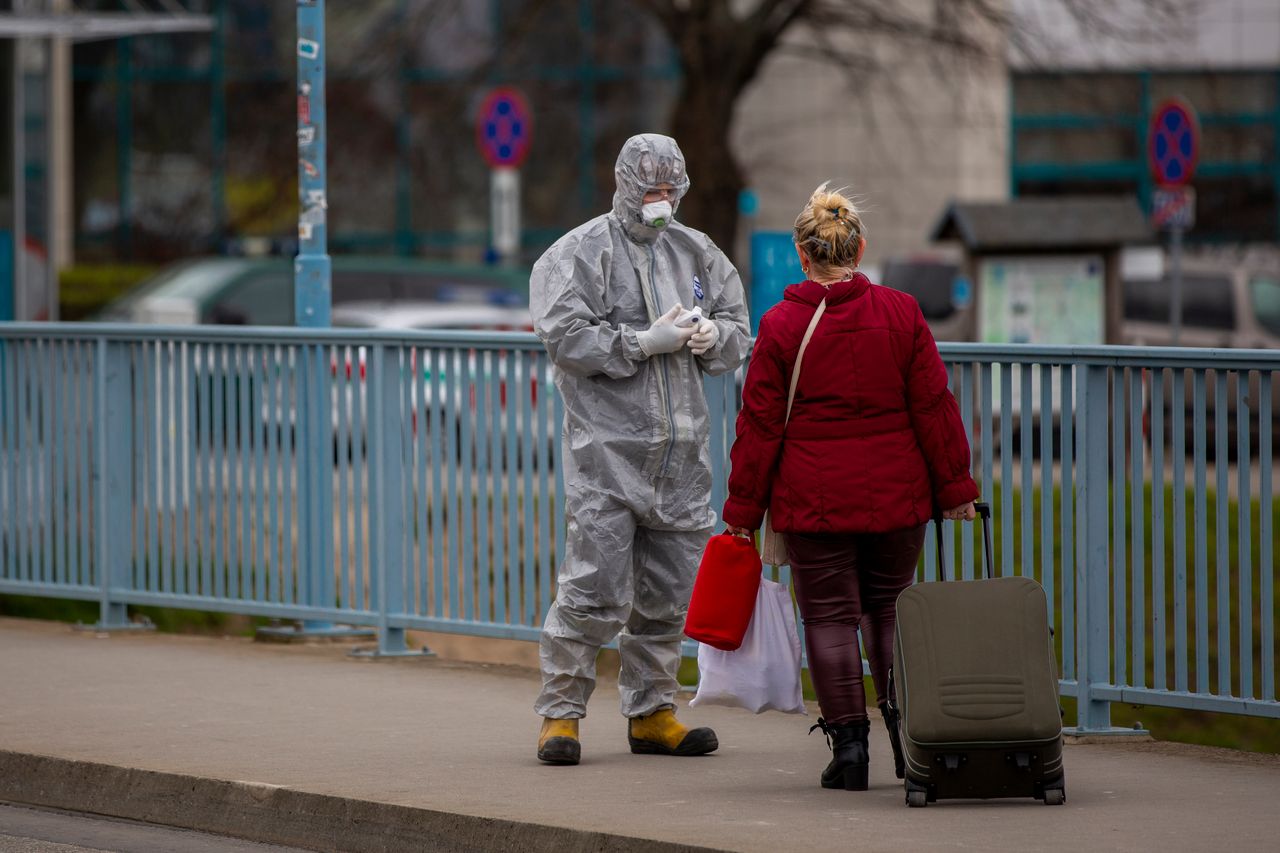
[(636, 462)]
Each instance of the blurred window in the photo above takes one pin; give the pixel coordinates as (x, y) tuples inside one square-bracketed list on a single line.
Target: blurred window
[(350, 286), (265, 299), (1207, 301), (1055, 94), (929, 282), (1079, 145), (1233, 209), (1234, 92), (1264, 294)]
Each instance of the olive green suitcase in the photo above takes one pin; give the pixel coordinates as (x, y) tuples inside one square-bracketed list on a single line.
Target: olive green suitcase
[(977, 688)]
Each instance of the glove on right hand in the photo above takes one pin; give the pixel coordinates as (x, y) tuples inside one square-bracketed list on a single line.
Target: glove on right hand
[(664, 335)]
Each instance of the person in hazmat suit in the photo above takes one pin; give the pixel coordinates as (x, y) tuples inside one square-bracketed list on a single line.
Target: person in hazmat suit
[(606, 300)]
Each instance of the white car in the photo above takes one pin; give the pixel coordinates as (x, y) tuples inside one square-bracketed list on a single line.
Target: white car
[(401, 315)]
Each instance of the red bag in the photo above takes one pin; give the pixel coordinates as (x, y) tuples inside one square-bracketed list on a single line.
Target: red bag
[(724, 592)]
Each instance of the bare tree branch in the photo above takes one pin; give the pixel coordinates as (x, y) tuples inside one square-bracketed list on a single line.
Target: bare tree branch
[(720, 54), (763, 31), (666, 13)]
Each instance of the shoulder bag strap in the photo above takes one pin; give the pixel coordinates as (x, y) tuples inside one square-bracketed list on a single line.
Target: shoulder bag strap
[(804, 343)]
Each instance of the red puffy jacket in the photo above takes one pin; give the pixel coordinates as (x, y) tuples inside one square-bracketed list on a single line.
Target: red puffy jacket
[(875, 440)]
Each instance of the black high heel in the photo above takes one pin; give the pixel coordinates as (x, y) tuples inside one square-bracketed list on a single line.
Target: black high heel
[(850, 765)]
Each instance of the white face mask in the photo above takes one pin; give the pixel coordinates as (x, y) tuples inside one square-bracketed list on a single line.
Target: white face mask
[(656, 214)]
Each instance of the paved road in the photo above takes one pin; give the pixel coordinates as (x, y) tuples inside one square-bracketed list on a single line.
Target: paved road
[(283, 744)]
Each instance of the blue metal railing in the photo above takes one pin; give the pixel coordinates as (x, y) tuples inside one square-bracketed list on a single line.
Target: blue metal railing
[(163, 466)]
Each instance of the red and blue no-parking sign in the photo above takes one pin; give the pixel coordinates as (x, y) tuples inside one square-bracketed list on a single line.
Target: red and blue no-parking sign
[(504, 126), (1174, 143)]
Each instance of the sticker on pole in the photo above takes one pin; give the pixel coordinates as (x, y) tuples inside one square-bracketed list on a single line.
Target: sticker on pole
[(504, 126), (1174, 143)]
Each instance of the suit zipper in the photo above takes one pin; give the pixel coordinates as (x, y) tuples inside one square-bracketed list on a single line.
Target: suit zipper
[(666, 374)]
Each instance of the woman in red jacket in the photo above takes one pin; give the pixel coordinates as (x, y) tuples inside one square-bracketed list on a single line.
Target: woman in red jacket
[(873, 446)]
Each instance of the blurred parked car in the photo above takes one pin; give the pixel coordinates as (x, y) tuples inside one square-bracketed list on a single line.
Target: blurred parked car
[(1223, 305), (933, 282), (419, 314), (1226, 303), (485, 374), (259, 291)]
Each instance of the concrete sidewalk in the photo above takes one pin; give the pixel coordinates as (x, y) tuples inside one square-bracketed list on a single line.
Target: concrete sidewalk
[(307, 747)]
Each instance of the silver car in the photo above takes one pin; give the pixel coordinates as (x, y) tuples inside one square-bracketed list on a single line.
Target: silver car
[(486, 374)]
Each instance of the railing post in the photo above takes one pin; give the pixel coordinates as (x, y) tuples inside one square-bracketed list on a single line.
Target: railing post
[(1093, 565), (388, 512), (314, 408), (112, 461), (316, 533)]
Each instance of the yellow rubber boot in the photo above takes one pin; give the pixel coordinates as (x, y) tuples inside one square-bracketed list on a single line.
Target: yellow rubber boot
[(558, 742), (660, 733)]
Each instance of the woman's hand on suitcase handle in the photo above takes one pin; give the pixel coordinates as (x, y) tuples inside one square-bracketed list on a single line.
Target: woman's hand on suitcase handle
[(964, 512), (738, 531)]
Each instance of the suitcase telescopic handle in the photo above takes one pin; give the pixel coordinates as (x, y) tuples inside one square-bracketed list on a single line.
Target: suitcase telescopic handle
[(984, 512)]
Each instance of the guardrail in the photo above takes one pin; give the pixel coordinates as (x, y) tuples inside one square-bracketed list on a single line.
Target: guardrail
[(410, 481)]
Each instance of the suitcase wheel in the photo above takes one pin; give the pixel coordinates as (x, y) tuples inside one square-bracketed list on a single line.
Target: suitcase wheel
[(920, 799), (1054, 796)]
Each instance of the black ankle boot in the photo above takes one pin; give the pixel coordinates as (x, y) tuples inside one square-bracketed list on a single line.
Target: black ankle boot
[(849, 762), (890, 713)]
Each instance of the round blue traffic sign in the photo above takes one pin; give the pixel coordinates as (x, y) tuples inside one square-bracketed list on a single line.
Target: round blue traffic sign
[(504, 126), (1174, 144)]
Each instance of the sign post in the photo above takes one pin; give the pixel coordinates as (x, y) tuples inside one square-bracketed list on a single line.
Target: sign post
[(504, 209), (504, 128), (1173, 150)]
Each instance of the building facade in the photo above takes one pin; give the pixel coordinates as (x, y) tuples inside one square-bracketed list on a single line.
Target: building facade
[(1082, 105)]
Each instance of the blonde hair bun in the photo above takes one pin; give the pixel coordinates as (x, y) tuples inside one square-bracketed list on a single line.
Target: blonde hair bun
[(829, 229)]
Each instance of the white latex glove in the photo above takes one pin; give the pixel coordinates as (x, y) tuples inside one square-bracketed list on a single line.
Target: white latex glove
[(664, 336), (704, 337)]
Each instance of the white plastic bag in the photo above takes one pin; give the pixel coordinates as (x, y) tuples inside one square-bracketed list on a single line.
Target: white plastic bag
[(763, 674)]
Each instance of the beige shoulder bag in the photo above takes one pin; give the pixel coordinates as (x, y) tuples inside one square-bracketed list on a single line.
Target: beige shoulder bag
[(773, 551)]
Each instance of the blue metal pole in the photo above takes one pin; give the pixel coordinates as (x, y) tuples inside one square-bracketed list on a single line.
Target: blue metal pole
[(312, 301), (311, 268), (312, 308)]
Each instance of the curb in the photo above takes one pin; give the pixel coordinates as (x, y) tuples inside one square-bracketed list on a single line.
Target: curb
[(276, 815)]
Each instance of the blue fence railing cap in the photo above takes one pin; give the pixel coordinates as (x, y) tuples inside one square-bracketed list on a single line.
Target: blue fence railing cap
[(289, 335), (1108, 355), (1112, 355)]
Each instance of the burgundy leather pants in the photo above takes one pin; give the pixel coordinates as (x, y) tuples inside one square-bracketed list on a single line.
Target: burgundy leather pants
[(844, 582)]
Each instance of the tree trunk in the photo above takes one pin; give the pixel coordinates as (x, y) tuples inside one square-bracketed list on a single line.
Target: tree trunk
[(700, 124)]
